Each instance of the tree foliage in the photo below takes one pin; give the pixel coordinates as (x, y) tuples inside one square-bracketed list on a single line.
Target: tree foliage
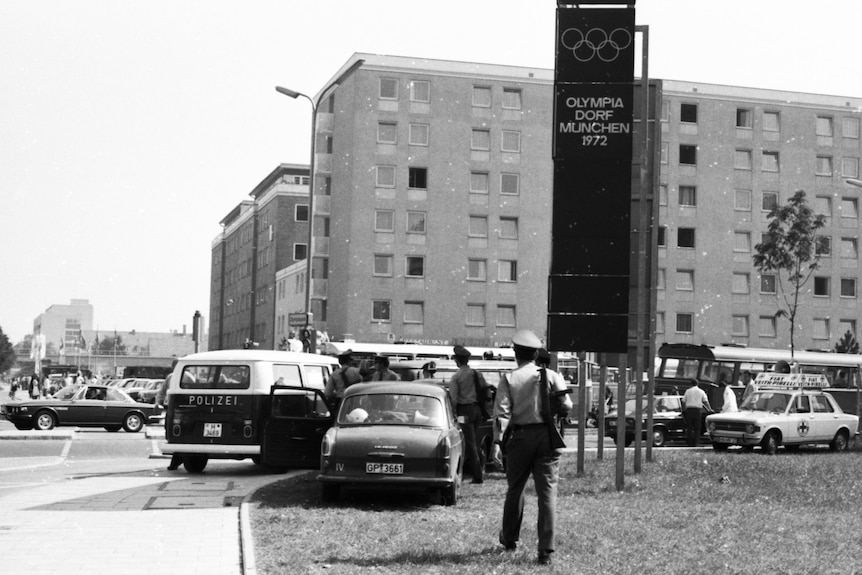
[(791, 249), (7, 353), (847, 343), (111, 345)]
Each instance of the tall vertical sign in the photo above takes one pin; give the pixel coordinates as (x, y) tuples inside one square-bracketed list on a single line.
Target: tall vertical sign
[(592, 151)]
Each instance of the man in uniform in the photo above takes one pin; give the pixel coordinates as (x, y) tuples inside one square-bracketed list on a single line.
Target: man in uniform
[(342, 378), (522, 412), (466, 390), (382, 371)]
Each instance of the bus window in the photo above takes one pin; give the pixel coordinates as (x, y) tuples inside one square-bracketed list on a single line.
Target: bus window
[(680, 368), (713, 370), (317, 376), (286, 375)]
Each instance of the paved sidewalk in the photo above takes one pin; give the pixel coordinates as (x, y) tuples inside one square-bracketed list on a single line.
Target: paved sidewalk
[(149, 522)]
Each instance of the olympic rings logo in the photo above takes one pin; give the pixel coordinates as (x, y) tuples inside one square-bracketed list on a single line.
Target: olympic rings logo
[(596, 43)]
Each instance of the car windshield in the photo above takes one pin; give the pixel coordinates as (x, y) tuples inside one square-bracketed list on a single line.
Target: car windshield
[(773, 401), (392, 409)]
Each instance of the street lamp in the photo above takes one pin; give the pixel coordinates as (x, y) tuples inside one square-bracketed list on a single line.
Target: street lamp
[(293, 94), (854, 182)]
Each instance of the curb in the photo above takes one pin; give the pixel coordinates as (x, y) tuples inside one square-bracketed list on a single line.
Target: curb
[(37, 435)]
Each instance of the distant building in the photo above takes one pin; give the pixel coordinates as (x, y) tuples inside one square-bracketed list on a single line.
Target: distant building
[(63, 325)]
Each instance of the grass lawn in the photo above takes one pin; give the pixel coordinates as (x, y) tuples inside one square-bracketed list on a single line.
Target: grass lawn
[(687, 512)]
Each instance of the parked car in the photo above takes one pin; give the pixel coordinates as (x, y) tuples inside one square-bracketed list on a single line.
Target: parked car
[(784, 415), (668, 422), (84, 406), (393, 435), (145, 390)]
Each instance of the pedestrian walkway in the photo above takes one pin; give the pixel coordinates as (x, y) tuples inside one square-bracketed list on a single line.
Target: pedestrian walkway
[(143, 522)]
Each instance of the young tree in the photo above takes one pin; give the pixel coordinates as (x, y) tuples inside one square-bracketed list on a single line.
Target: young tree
[(7, 353), (791, 249), (847, 343)]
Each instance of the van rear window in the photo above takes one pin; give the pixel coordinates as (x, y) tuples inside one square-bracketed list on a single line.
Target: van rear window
[(215, 377)]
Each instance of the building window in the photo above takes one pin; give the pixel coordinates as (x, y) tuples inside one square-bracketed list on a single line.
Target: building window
[(506, 316), (687, 196), (383, 265), (478, 227), (665, 153), (300, 213), (416, 222), (482, 96), (684, 323), (821, 328), (848, 287), (823, 166), (742, 242), (688, 113), (771, 122), (418, 134), (507, 271), (414, 312), (824, 126), (660, 279), (385, 176), (742, 200), (381, 310), (823, 206), (662, 195), (387, 132), (511, 141), (415, 267), (420, 91), (477, 270), (479, 182), (849, 249), (741, 283), (685, 280), (475, 314), (384, 221), (744, 118), (661, 240), (509, 228), (846, 325), (823, 246), (659, 322), (742, 160), (769, 162), (388, 89), (849, 208), (687, 155), (850, 167), (685, 238), (480, 140), (766, 326), (767, 283), (821, 286), (739, 326), (510, 184), (851, 128), (417, 178), (511, 98), (769, 201), (300, 251)]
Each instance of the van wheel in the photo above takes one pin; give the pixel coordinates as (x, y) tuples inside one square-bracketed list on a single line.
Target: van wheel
[(195, 463)]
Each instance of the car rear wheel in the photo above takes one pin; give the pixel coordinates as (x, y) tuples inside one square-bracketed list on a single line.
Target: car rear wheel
[(449, 495), (113, 428), (195, 463), (44, 421), (659, 437), (329, 493), (770, 443), (133, 422), (840, 442)]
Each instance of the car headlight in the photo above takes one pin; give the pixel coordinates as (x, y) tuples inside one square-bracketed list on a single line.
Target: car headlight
[(612, 422), (750, 428), (710, 426)]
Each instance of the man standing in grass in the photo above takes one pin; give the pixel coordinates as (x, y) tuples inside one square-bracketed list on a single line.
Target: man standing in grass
[(523, 416), (695, 401)]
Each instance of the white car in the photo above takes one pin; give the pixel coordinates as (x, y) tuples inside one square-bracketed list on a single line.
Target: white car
[(784, 414)]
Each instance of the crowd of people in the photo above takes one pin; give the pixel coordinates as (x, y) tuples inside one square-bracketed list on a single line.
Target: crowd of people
[(35, 387)]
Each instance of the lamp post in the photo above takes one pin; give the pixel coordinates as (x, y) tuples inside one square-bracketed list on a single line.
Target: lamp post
[(854, 182), (310, 250)]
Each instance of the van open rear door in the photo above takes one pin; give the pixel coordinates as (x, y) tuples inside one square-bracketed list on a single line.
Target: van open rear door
[(292, 433)]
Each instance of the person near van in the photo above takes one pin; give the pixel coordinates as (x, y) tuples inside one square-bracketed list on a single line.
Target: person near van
[(161, 398), (728, 397), (382, 371), (522, 411), (695, 401), (342, 378), (466, 391)]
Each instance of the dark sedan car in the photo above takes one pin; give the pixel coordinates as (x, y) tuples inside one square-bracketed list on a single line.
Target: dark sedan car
[(84, 406), (393, 435), (668, 422)]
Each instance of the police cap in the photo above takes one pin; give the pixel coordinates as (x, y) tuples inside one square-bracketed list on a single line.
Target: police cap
[(346, 353), (460, 351), (524, 338)]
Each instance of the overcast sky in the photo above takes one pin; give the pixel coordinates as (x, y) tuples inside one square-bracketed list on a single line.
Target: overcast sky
[(129, 129)]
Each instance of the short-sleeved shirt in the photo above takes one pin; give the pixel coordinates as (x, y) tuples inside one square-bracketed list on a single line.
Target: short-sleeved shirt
[(462, 386), (694, 397), (518, 399)]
